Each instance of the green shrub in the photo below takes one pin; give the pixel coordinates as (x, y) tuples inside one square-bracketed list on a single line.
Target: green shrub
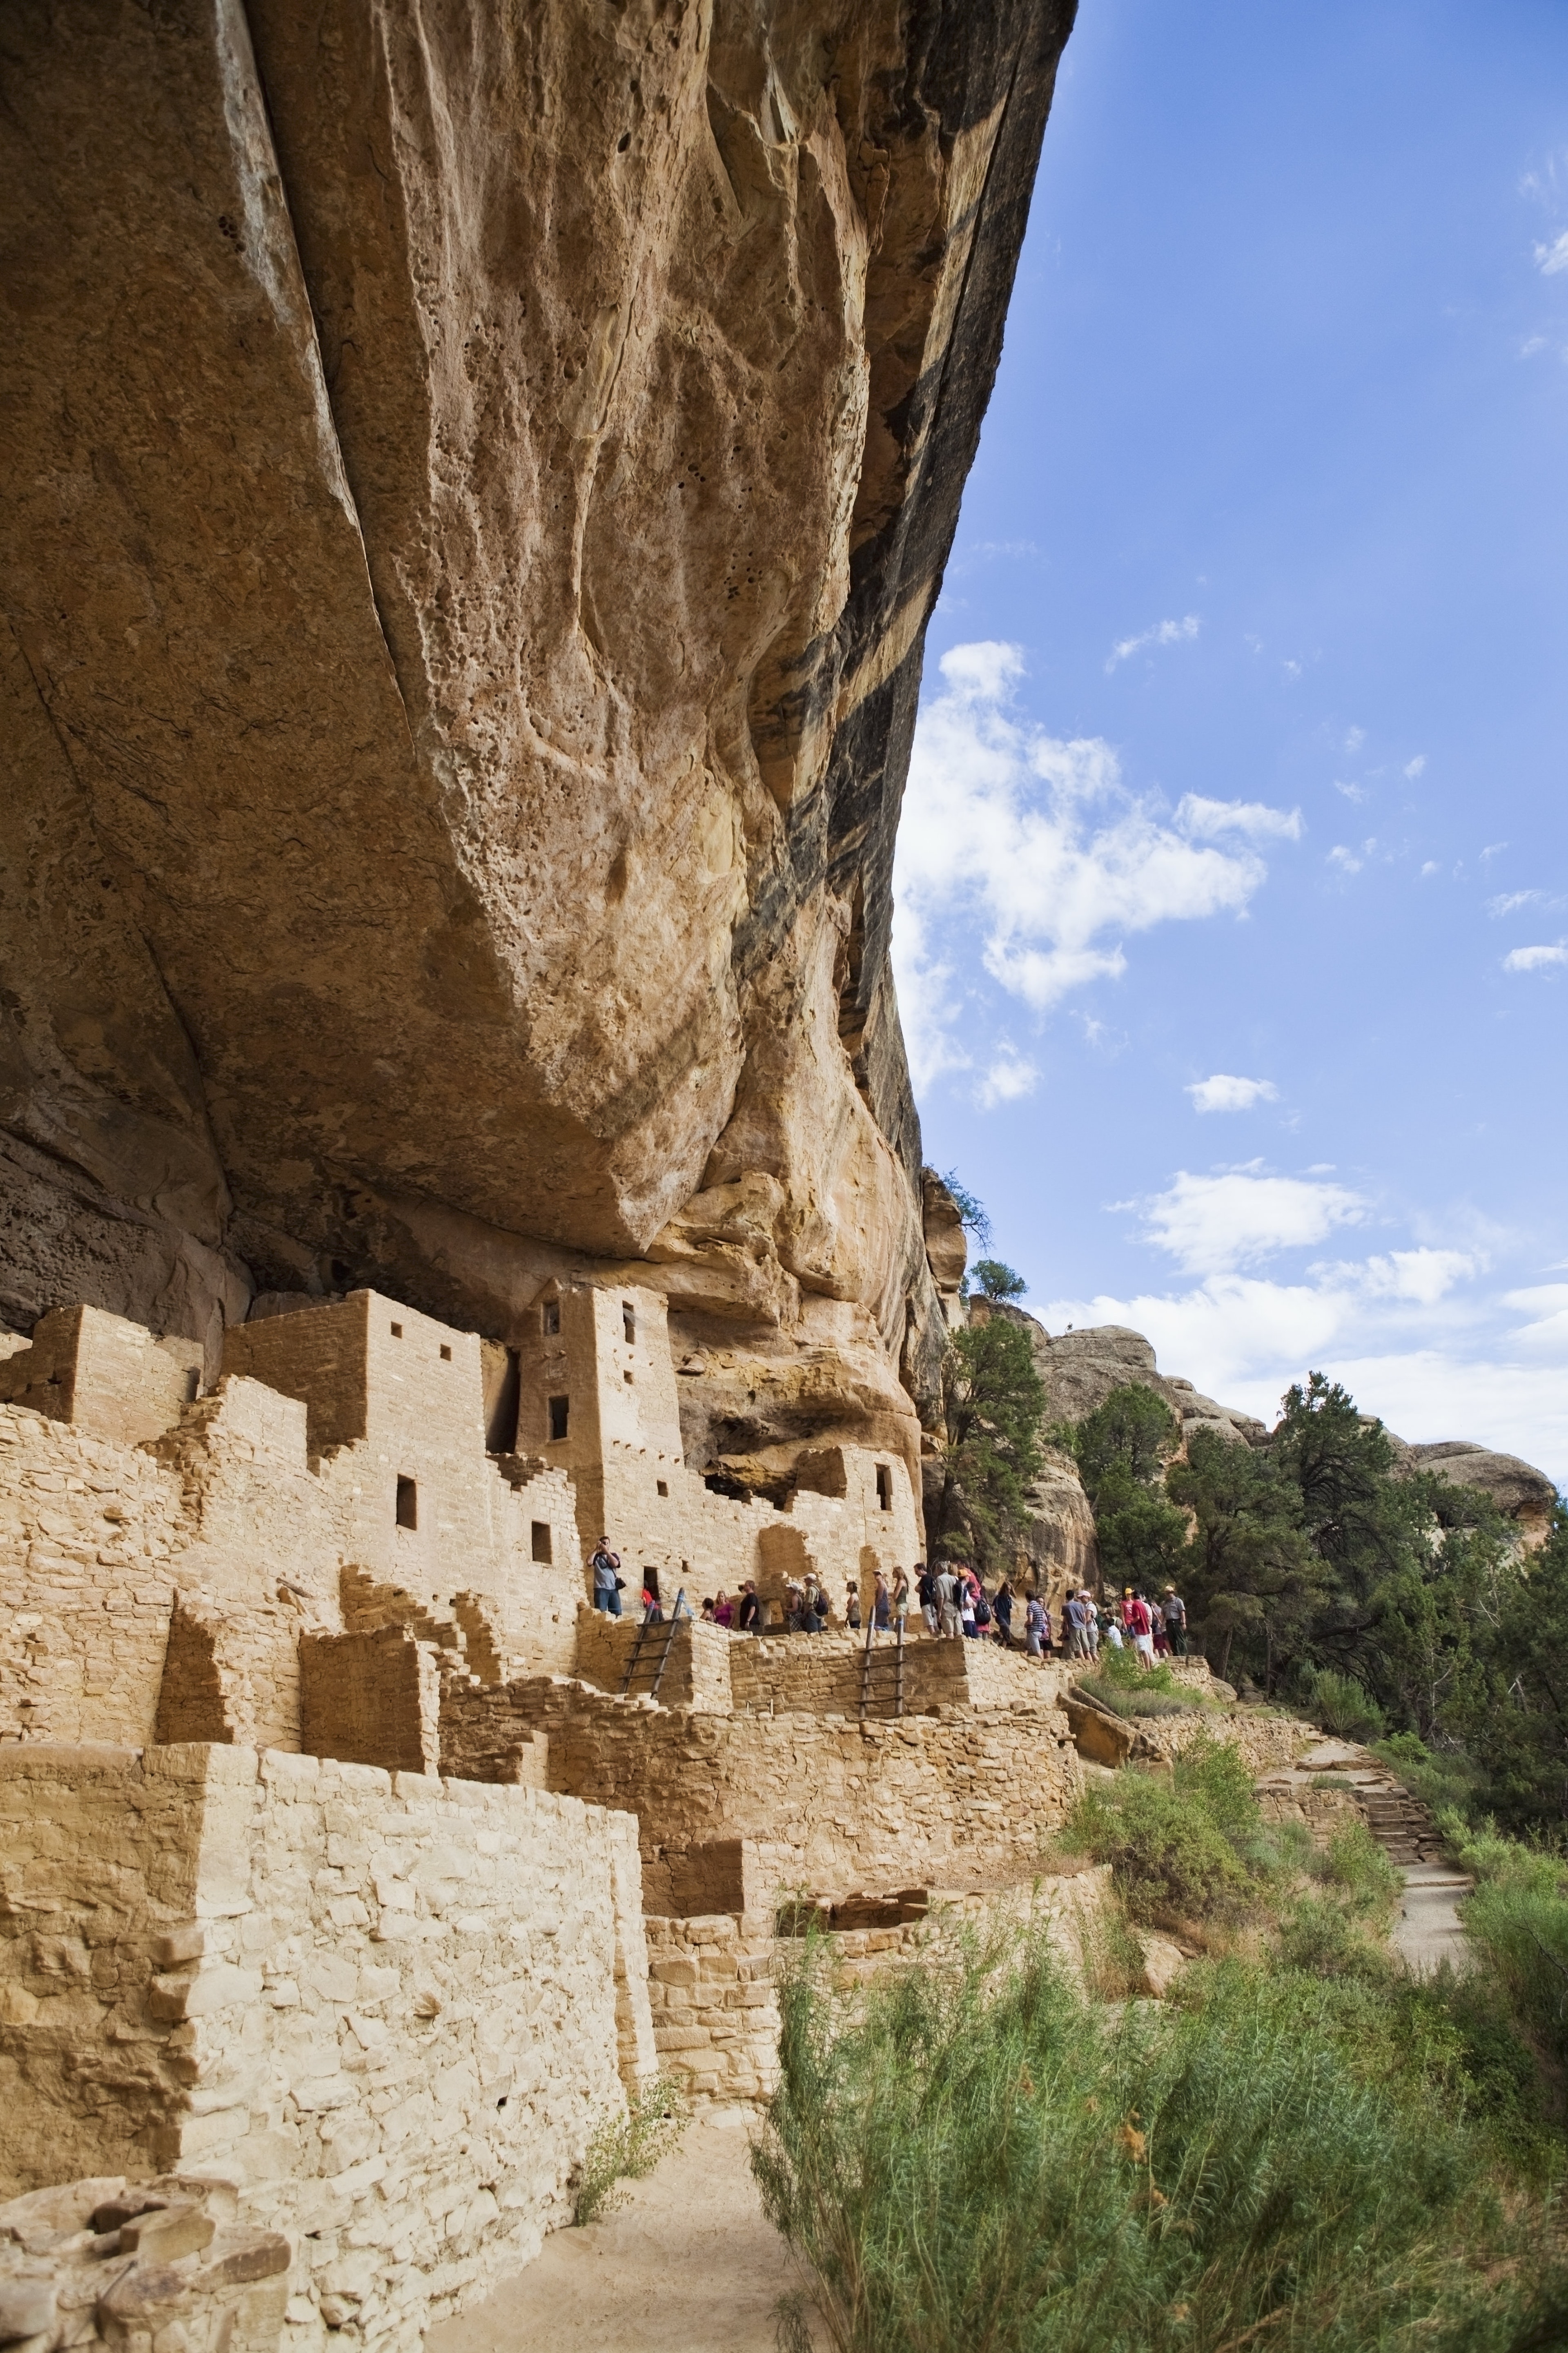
[(626, 2149), (1212, 1775), (1124, 1671), (1355, 1863), (1522, 1932), (972, 2159), (1325, 1940), (1437, 1777), (1494, 1860), (1168, 1854), (1342, 1705)]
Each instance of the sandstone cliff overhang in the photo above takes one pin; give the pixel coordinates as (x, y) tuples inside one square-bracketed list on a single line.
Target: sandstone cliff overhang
[(479, 485)]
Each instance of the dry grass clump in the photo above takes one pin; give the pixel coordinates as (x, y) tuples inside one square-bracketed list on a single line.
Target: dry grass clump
[(627, 2148)]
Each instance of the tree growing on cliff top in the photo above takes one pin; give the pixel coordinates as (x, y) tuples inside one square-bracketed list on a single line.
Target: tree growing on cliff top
[(989, 1457), (997, 1281)]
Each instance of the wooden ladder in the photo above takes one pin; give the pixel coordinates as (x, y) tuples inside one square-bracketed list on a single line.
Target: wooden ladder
[(661, 1660), (871, 1658)]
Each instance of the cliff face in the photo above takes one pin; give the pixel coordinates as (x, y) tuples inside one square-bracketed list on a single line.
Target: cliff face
[(479, 481)]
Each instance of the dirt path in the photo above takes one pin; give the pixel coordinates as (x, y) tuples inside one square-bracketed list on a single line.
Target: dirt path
[(688, 2264), (1427, 1930)]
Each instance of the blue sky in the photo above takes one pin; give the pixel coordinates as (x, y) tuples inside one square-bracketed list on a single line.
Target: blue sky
[(1232, 929)]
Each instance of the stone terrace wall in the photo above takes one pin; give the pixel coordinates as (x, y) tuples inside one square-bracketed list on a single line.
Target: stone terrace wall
[(1262, 1742), (389, 2009), (958, 1800), (820, 1675), (715, 2012)]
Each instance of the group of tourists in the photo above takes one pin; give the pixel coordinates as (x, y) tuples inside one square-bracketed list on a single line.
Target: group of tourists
[(1154, 1629), (952, 1600)]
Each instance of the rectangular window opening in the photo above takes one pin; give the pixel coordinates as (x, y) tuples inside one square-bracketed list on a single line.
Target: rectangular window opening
[(560, 1410), (884, 1487), (539, 1542), (446, 1354), (397, 1331), (549, 1318), (628, 1377), (664, 1486), (408, 1504), (629, 1320)]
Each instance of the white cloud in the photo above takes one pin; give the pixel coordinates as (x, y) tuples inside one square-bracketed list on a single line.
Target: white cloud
[(982, 672), (1431, 867), (1345, 860), (925, 1002), (1423, 1276), (1214, 1224), (1546, 1305), (1413, 768), (1506, 904), (1535, 959), (1222, 1093), (1255, 819), (1351, 792), (1163, 633), (1008, 1078), (1493, 850), (1028, 847), (1354, 738), (1551, 259)]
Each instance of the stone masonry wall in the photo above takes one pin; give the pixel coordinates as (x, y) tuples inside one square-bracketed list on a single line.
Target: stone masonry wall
[(88, 1536), (697, 1672), (390, 2008), (819, 1674), (96, 1537), (959, 1799)]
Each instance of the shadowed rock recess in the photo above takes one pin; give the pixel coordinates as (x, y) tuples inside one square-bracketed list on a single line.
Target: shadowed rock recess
[(479, 480)]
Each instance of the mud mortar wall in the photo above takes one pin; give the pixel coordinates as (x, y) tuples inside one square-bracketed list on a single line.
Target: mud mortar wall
[(390, 2008)]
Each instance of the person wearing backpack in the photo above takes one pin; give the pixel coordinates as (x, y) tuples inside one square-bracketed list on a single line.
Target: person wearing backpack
[(1177, 1622)]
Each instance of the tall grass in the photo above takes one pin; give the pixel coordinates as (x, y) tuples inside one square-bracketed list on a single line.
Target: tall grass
[(1517, 1920), (974, 2159)]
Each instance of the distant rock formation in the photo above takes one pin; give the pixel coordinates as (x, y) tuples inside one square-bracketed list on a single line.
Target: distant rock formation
[(1079, 1370), (1521, 1492)]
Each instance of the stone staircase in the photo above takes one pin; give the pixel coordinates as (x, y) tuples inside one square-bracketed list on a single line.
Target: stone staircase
[(1401, 1824), (1428, 1929)]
